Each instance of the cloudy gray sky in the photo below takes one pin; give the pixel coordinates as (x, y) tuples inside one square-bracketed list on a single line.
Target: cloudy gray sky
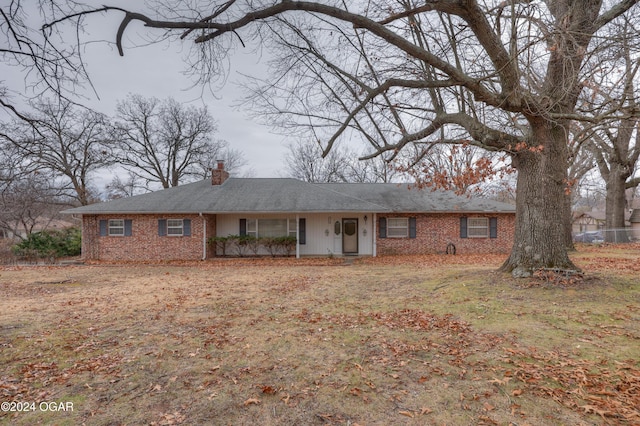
[(157, 70)]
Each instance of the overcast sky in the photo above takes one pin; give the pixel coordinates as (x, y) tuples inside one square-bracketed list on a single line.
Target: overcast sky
[(157, 70)]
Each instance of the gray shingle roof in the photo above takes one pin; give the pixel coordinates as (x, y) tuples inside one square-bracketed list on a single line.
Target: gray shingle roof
[(267, 195), (409, 198)]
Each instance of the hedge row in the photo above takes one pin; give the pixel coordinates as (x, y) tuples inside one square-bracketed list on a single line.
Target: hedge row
[(244, 245)]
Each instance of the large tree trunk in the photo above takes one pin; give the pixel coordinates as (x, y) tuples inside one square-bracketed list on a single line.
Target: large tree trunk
[(540, 234), (568, 222), (616, 204)]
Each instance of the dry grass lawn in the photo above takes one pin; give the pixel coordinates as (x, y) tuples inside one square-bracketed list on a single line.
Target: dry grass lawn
[(442, 340)]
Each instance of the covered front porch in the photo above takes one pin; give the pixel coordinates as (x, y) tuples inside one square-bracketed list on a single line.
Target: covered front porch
[(316, 234)]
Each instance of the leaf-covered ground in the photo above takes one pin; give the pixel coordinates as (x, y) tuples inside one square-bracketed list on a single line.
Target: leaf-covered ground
[(392, 340)]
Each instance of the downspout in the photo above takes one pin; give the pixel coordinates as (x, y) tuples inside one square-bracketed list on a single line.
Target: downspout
[(204, 236)]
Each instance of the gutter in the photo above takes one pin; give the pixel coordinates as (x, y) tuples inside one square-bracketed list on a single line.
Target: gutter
[(204, 236)]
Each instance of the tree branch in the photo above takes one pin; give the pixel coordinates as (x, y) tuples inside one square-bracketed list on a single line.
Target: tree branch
[(614, 12), (632, 183), (359, 21)]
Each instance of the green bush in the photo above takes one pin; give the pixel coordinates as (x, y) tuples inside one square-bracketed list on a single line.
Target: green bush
[(50, 244)]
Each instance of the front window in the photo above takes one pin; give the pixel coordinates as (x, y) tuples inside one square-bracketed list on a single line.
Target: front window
[(116, 227), (272, 227), (261, 228), (175, 227), (478, 227), (397, 227)]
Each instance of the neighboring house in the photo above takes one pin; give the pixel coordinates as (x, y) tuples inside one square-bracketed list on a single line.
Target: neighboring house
[(588, 221), (595, 220), (327, 219)]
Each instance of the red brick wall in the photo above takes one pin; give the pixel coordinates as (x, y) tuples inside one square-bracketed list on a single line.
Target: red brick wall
[(211, 232), (435, 231), (144, 244)]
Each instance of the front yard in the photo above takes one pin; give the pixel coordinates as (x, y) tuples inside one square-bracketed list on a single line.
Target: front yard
[(392, 340)]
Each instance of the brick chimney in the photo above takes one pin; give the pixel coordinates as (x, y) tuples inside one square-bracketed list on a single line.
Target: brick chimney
[(219, 174)]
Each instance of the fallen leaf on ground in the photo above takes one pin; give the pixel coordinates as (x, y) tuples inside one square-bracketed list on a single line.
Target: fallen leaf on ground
[(252, 401)]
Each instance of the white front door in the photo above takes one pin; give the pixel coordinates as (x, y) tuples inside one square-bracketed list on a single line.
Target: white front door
[(350, 236)]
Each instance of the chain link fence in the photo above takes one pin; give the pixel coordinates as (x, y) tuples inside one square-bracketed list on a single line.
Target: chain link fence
[(615, 236)]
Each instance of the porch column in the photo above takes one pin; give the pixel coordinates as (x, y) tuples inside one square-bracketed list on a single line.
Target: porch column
[(297, 236), (375, 235)]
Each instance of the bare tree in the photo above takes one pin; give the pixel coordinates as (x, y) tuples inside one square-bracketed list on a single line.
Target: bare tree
[(166, 143), (615, 142), (616, 153), (305, 161), (234, 159), (8, 164), (581, 162), (58, 137), (27, 200), (503, 76), (373, 170), (119, 188), (50, 65)]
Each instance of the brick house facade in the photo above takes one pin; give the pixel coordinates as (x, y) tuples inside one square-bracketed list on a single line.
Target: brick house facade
[(325, 219), (144, 242), (434, 232)]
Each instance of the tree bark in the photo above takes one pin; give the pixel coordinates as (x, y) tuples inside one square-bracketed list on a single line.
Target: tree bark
[(568, 223), (615, 204), (540, 234)]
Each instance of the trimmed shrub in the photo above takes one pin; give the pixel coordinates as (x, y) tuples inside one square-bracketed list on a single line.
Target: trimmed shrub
[(287, 245), (246, 244), (220, 243), (271, 245), (277, 245)]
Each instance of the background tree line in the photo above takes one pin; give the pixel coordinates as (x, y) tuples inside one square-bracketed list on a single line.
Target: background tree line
[(54, 154)]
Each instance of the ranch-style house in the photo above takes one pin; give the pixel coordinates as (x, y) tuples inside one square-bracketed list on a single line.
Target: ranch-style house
[(327, 219)]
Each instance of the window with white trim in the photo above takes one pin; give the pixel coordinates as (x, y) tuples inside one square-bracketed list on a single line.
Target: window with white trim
[(260, 228), (397, 227), (293, 228), (116, 228), (175, 227), (478, 227)]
